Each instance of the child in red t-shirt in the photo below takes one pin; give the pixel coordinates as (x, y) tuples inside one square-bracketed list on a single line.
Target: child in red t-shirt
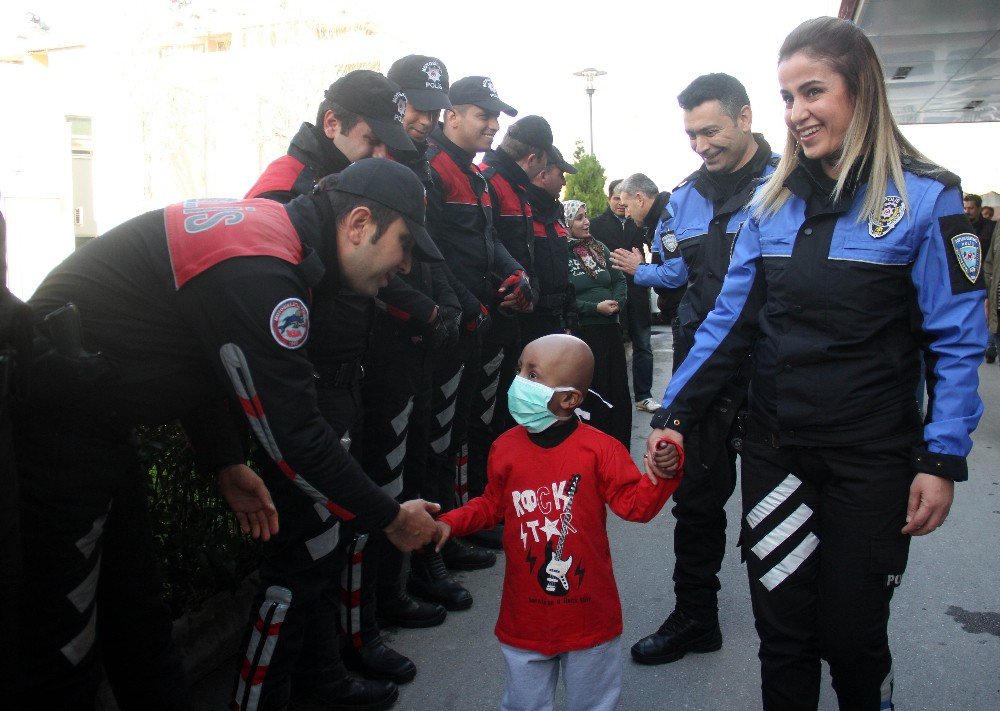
[(550, 481)]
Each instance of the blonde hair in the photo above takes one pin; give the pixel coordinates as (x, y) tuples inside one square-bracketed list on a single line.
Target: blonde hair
[(872, 142)]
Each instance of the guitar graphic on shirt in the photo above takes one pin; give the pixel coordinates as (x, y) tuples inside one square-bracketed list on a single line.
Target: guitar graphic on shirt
[(552, 574)]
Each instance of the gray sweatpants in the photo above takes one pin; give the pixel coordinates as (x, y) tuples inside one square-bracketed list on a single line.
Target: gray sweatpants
[(592, 677)]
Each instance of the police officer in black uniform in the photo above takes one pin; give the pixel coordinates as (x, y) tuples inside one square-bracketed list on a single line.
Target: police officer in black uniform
[(177, 309), (359, 116)]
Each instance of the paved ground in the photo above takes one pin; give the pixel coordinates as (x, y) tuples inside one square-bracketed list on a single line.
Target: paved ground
[(945, 628)]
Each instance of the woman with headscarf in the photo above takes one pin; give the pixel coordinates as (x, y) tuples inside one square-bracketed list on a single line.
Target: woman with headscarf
[(600, 297), (856, 261)]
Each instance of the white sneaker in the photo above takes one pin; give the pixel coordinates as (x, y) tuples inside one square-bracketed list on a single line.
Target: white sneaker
[(647, 405)]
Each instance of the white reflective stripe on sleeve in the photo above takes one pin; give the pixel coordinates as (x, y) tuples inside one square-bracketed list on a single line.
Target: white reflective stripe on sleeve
[(324, 543), (400, 421), (783, 532), (238, 370), (791, 562), (76, 649), (87, 544), (83, 594), (322, 512), (780, 494), (236, 366)]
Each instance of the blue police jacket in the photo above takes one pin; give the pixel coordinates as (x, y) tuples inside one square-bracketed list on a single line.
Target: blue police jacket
[(694, 239), (838, 312)]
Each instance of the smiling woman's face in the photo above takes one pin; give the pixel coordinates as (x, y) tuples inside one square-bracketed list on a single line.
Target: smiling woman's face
[(818, 107)]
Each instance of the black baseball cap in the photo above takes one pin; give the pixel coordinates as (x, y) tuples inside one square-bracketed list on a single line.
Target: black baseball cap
[(556, 157), (533, 131), (423, 79), (396, 187), (480, 92), (380, 102)]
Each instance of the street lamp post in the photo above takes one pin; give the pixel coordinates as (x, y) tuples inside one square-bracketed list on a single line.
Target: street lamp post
[(590, 73)]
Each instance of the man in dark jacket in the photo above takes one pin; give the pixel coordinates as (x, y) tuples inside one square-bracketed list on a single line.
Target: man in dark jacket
[(694, 240), (179, 308), (361, 115), (617, 231), (556, 308), (509, 171), (460, 218)]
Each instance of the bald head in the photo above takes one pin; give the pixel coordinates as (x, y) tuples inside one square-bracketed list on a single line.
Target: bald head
[(559, 360)]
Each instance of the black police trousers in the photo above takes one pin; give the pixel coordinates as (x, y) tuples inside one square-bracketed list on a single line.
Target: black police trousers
[(292, 645), (456, 374), (91, 591), (699, 508), (824, 552), (397, 397), (489, 417)]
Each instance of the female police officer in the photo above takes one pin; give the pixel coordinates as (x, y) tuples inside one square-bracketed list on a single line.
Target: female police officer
[(857, 258)]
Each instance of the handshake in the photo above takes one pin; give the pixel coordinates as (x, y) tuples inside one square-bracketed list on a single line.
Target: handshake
[(413, 527)]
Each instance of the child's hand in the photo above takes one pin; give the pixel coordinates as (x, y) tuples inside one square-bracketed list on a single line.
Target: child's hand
[(443, 534), (664, 456)]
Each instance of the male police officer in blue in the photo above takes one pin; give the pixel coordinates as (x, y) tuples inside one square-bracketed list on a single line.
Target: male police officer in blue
[(694, 239)]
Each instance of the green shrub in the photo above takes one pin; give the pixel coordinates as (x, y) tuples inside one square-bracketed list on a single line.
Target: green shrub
[(200, 548)]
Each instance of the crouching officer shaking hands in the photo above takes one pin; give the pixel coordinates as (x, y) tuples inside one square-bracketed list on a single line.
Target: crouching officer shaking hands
[(178, 308)]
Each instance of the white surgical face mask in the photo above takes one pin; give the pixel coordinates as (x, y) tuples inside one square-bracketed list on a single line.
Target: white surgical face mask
[(528, 403)]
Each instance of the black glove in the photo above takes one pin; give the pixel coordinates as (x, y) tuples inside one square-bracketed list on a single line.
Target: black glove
[(452, 327), (518, 285), (435, 332), (480, 324)]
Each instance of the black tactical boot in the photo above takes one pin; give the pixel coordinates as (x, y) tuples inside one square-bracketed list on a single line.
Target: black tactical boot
[(677, 636), (462, 555), (488, 537), (348, 694), (401, 610), (429, 580), (374, 660)]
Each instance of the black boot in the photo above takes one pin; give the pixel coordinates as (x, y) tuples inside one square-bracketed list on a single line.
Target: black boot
[(430, 580), (348, 694), (991, 352), (677, 636), (488, 537), (401, 610), (374, 660), (462, 555)]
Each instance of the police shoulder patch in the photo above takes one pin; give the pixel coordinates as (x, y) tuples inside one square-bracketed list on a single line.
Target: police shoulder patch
[(290, 323), (963, 253), (889, 216), (670, 242), (969, 253)]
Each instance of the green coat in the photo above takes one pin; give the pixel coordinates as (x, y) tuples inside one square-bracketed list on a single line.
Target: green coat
[(607, 284)]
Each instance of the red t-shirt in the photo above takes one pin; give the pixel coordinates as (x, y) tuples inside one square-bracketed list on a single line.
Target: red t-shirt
[(556, 603)]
